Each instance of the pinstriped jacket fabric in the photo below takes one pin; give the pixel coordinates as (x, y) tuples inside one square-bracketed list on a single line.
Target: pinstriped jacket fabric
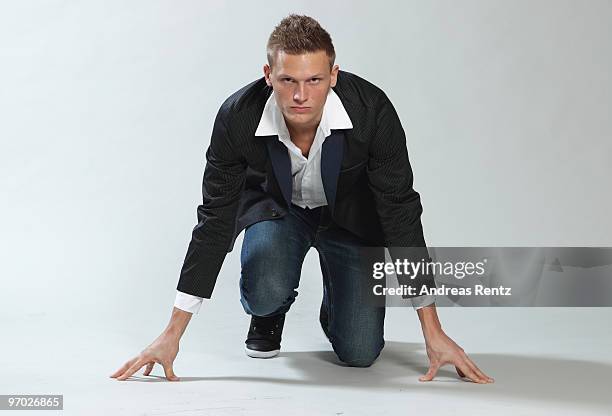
[(365, 170)]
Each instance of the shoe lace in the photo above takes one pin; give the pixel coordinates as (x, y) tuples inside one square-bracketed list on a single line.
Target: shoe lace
[(266, 327)]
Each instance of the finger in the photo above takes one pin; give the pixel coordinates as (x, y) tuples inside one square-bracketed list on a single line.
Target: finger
[(148, 369), (433, 370), (482, 378), (169, 372), (478, 371), (468, 372), (472, 374), (124, 367), (135, 367)]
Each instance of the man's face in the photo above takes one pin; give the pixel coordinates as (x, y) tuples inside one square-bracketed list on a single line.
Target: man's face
[(301, 83)]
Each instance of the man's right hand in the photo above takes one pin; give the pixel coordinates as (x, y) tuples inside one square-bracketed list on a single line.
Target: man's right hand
[(162, 351)]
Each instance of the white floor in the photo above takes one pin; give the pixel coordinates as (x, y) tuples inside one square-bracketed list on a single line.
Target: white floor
[(546, 361)]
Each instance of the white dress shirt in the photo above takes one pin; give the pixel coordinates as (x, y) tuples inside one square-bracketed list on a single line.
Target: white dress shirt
[(307, 190)]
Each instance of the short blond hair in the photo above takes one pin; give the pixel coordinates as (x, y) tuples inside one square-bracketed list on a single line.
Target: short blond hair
[(298, 34)]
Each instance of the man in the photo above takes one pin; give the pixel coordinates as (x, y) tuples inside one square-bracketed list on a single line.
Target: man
[(307, 156)]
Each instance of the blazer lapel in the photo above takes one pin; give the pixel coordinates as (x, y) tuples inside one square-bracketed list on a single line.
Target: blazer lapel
[(332, 152), (281, 164)]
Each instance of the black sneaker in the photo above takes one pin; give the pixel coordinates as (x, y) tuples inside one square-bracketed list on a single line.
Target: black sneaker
[(263, 340)]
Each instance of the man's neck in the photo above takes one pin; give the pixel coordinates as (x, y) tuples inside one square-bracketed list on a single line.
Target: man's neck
[(304, 133), (303, 138)]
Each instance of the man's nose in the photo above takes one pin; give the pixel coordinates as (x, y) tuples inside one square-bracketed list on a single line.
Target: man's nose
[(299, 94)]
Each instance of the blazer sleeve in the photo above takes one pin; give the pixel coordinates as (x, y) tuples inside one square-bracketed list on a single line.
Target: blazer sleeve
[(390, 179), (222, 185), (398, 205)]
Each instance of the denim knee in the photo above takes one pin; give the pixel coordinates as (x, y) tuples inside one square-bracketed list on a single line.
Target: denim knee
[(357, 357), (266, 301)]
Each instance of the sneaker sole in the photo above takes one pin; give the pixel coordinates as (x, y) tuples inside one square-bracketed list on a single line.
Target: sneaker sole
[(260, 354)]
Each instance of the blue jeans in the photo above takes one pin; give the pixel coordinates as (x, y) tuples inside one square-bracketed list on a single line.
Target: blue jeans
[(271, 258)]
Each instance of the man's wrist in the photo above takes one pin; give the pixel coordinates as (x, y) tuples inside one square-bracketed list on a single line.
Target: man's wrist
[(178, 323), (430, 324)]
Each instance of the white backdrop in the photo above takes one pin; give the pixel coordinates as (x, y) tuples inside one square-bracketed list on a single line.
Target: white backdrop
[(106, 110)]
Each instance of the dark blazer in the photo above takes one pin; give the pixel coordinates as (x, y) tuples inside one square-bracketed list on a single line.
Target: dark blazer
[(365, 171)]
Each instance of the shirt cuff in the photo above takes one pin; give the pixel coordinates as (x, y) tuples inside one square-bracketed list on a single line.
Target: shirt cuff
[(187, 302), (419, 302)]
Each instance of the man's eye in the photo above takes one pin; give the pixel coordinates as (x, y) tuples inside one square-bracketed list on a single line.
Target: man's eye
[(315, 80), (287, 79)]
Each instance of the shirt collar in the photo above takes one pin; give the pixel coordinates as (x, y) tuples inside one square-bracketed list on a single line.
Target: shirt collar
[(334, 116)]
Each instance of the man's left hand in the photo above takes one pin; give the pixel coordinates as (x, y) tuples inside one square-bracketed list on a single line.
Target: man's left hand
[(442, 350)]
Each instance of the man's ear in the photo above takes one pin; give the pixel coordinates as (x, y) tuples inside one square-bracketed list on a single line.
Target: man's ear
[(334, 75), (267, 71)]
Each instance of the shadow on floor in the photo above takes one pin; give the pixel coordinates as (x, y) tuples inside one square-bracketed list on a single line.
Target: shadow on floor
[(524, 377)]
